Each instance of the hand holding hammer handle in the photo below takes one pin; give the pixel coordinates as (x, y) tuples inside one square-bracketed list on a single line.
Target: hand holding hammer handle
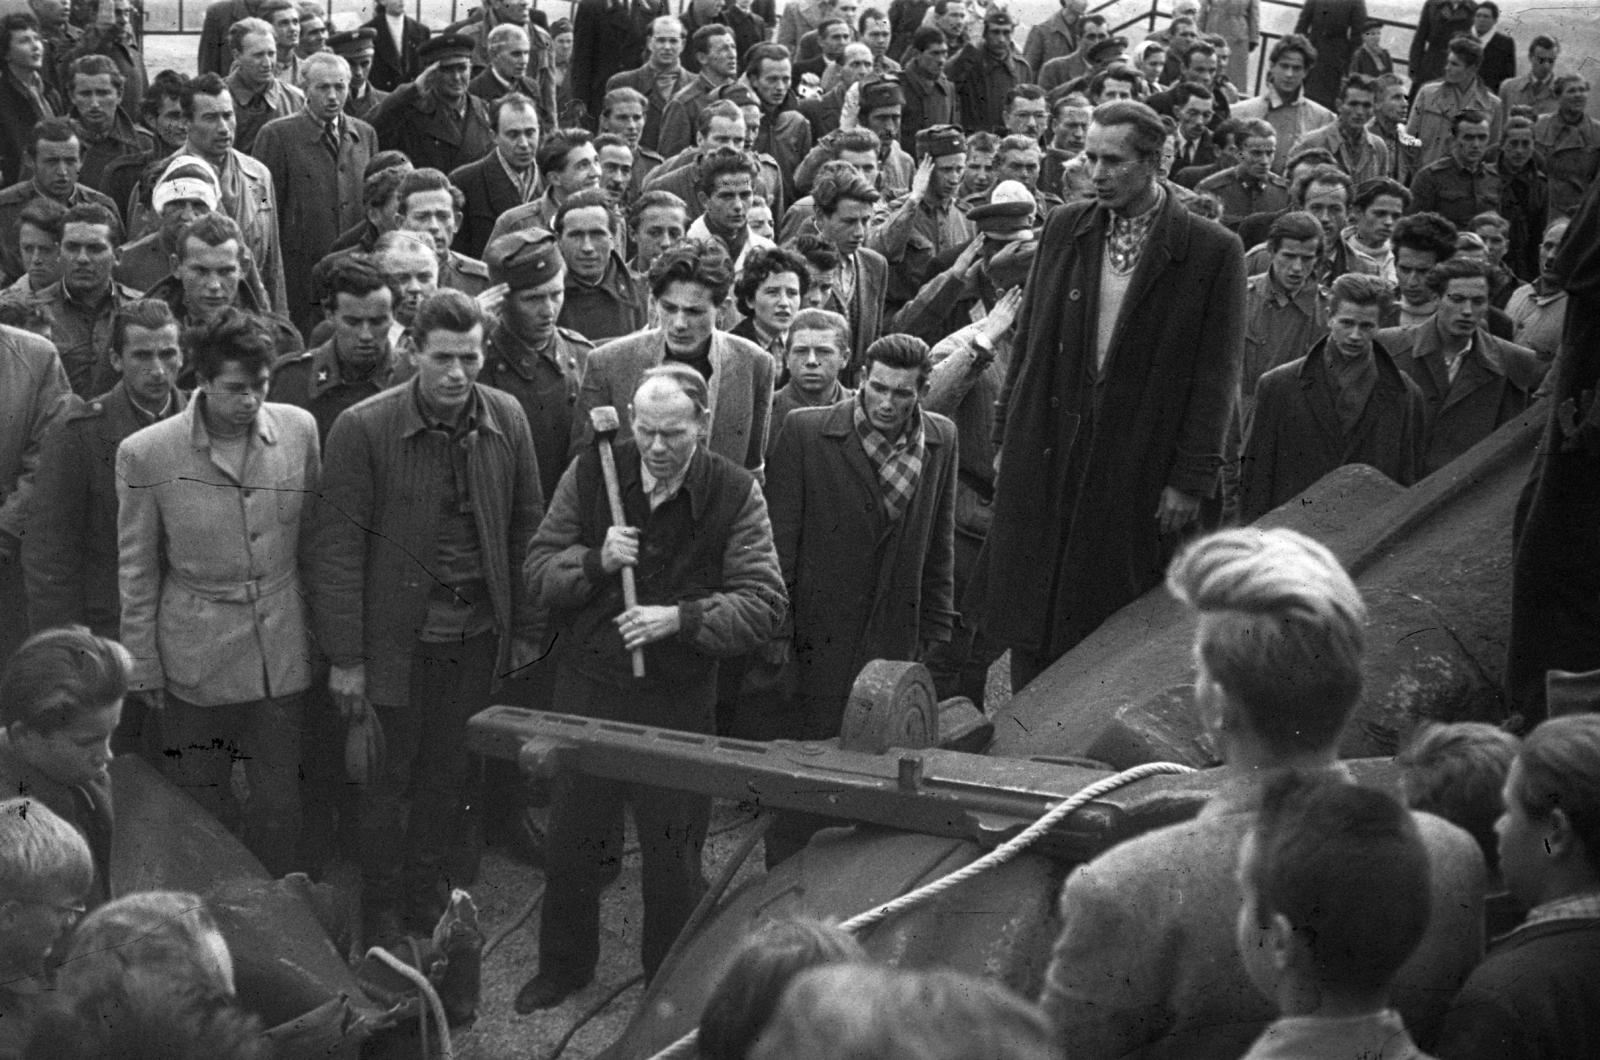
[(606, 424)]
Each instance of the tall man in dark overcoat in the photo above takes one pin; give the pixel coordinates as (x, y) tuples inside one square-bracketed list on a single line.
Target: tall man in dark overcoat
[(434, 120), (608, 37), (863, 513), (317, 159), (1112, 416)]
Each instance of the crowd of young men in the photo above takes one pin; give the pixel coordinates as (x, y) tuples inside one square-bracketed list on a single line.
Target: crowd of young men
[(308, 353)]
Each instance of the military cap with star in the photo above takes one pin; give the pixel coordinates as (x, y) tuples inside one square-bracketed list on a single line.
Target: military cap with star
[(445, 46), (523, 259), (353, 43)]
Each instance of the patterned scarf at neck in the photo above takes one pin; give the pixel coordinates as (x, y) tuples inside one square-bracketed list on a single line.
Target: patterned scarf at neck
[(899, 463), (1126, 236)]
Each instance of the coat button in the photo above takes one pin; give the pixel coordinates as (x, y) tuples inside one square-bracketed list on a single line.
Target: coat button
[(1074, 295), (1046, 453), (1055, 402)]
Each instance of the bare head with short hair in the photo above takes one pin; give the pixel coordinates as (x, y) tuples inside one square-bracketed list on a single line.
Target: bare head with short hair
[(171, 931), (1456, 771), (1280, 634), (40, 853)]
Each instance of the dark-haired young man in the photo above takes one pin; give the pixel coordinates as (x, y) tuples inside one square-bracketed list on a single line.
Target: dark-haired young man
[(27, 94), (84, 302), (1536, 88), (429, 204), (69, 554), (1568, 143), (210, 504), (689, 282), (849, 605), (1438, 103), (603, 299), (358, 361), (106, 131), (714, 49), (505, 178), (1355, 148), (54, 151), (1284, 104), (416, 594), (1461, 185), (1279, 649), (1472, 381), (659, 80), (726, 182), (700, 540), (568, 163), (845, 204), (1378, 416)]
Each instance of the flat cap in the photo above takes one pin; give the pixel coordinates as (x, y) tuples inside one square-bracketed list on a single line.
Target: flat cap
[(998, 16), (353, 42), (523, 259), (1107, 48), (936, 141), (881, 92), (560, 26), (445, 46)]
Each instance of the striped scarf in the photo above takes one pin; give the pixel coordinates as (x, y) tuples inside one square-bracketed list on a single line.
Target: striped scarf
[(899, 463)]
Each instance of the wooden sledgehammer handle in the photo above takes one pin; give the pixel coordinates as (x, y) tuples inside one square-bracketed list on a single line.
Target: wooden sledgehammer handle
[(630, 592)]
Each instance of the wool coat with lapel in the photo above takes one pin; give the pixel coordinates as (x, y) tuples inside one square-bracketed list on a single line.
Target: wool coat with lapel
[(1491, 387), (213, 605), (1087, 452), (740, 386), (1296, 436), (391, 66), (860, 587), (319, 196), (489, 193), (643, 81), (608, 37), (865, 311)]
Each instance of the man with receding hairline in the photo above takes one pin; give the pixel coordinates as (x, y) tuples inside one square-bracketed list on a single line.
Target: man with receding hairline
[(698, 536)]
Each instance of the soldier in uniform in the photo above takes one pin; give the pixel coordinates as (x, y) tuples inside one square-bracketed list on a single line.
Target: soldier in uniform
[(430, 204), (1251, 186), (928, 220), (356, 48), (434, 119), (357, 361), (69, 554)]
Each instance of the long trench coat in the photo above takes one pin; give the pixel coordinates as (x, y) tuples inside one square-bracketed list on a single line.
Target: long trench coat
[(319, 196), (860, 587), (1086, 452)]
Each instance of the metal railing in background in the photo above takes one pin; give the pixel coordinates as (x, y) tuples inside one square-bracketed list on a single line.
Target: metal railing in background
[(1156, 15), (459, 9)]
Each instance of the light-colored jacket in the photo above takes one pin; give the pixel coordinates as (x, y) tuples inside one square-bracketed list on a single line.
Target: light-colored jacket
[(32, 388), (251, 199), (740, 390), (213, 608)]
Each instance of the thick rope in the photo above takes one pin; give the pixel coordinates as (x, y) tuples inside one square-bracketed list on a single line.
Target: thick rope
[(1001, 854), (430, 995)]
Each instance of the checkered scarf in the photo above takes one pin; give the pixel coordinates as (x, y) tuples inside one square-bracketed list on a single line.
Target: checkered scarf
[(899, 463)]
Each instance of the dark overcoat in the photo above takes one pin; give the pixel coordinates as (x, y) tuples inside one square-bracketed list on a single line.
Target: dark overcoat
[(1491, 387), (1086, 452), (643, 81), (860, 587), (608, 37), (1296, 436), (1555, 581), (319, 196), (412, 120), (1334, 29), (489, 193)]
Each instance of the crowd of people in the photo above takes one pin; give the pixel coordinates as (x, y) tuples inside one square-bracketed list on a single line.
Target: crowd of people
[(376, 373)]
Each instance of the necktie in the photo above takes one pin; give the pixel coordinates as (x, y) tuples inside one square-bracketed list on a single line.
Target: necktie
[(330, 137)]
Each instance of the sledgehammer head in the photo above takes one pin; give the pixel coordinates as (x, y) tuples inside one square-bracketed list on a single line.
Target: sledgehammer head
[(605, 422)]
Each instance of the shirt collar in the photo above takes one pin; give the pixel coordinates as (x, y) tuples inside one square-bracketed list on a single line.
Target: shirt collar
[(200, 438), (417, 419), (657, 492), (1572, 907)]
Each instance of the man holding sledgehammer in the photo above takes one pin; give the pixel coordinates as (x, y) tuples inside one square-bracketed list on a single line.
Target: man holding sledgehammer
[(699, 545)]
